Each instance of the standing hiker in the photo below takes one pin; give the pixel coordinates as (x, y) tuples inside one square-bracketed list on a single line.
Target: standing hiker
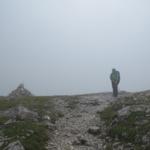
[(115, 79)]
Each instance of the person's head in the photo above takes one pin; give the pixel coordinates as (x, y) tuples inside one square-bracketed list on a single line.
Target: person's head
[(113, 70)]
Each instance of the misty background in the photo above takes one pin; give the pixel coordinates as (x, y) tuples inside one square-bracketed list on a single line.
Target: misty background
[(60, 47)]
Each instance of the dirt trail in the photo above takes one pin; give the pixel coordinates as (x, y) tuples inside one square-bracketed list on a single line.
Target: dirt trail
[(79, 115)]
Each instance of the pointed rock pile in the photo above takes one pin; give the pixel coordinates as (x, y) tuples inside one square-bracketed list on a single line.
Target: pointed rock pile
[(20, 92)]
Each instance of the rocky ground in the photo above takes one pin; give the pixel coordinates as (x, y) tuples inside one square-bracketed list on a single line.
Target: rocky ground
[(126, 123), (80, 122), (80, 126)]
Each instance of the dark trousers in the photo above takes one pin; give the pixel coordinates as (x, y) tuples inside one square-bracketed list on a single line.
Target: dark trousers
[(115, 89)]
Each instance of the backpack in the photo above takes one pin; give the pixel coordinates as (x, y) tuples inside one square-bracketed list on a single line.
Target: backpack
[(115, 77)]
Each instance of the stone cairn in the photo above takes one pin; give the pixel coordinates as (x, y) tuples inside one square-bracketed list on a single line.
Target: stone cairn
[(19, 92)]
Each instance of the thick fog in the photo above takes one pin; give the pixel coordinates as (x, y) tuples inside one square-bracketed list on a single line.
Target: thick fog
[(60, 47)]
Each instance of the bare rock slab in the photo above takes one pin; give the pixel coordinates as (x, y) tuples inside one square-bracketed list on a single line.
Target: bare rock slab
[(21, 113)]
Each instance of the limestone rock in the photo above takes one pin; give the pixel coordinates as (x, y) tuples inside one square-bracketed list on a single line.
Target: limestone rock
[(124, 111), (9, 121), (21, 113), (94, 130), (46, 118)]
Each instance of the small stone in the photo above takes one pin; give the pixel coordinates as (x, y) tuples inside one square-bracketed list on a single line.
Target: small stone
[(15, 146), (9, 121), (94, 130), (46, 117), (50, 125), (1, 143), (146, 139), (124, 111), (27, 135), (80, 140)]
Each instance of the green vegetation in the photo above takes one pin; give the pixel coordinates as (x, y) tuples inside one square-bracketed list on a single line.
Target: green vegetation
[(33, 135), (108, 115), (131, 128), (42, 105), (29, 102), (127, 130), (3, 119), (109, 146)]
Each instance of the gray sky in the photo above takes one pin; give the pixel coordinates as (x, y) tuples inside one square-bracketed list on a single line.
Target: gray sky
[(70, 46)]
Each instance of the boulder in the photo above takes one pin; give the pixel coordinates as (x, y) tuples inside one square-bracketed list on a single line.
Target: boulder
[(124, 111), (21, 113)]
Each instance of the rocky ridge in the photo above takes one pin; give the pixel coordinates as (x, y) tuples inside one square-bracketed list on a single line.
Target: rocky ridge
[(80, 122)]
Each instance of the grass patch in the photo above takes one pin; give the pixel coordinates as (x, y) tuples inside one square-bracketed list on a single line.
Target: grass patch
[(126, 130), (43, 105), (29, 102), (129, 129), (108, 115), (32, 135), (109, 146), (3, 119)]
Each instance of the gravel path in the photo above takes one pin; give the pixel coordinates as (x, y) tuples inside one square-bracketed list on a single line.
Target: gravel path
[(73, 127)]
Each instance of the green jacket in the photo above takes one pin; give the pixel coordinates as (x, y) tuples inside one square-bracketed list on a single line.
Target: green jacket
[(115, 77)]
